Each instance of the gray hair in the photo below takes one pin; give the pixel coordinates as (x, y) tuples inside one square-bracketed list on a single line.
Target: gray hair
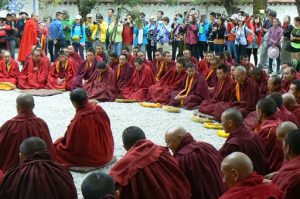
[(241, 69)]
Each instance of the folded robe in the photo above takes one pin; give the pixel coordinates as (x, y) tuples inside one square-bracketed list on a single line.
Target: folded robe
[(88, 141), (149, 171), (163, 68), (123, 74), (9, 72)]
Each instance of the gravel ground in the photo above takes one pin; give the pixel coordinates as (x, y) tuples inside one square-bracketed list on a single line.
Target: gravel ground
[(57, 111)]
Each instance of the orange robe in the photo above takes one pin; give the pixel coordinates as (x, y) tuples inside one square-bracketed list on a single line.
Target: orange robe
[(9, 72), (28, 40)]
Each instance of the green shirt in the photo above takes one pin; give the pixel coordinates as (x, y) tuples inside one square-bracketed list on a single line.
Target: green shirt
[(67, 28), (119, 31)]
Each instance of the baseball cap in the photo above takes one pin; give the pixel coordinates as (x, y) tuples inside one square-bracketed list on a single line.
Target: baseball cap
[(88, 16), (78, 17), (234, 16)]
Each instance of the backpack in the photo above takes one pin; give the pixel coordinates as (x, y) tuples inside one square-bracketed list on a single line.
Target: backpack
[(88, 31)]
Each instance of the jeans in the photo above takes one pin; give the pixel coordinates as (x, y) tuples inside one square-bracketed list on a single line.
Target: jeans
[(175, 45), (194, 50), (202, 48), (278, 63), (61, 43), (12, 47), (241, 50), (141, 47), (151, 49), (231, 48), (254, 51), (219, 48), (50, 49), (88, 45), (118, 48), (263, 54), (79, 48)]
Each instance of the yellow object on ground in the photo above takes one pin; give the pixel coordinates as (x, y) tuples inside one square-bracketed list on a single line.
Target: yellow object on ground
[(150, 105), (125, 100), (200, 119), (7, 86), (171, 109), (222, 133), (211, 125)]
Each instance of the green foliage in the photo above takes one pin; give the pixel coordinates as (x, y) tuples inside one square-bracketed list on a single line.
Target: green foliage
[(3, 3), (128, 2), (85, 6)]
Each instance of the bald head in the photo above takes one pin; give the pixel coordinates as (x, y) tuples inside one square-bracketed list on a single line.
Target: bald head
[(289, 100), (173, 137), (25, 103), (284, 128), (231, 119), (32, 145), (131, 135), (277, 97)]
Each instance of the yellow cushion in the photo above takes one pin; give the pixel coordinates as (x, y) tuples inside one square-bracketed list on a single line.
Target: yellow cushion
[(7, 86), (150, 105)]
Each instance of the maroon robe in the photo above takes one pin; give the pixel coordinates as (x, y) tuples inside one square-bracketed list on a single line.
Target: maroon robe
[(75, 56), (1, 176), (88, 141), (203, 68), (194, 60), (245, 141), (149, 171), (222, 92), (155, 65), (15, 131), (163, 69), (295, 110), (124, 76), (253, 187), (9, 75), (198, 93), (211, 78), (84, 72), (38, 177), (266, 133), (286, 85), (197, 160), (286, 115), (102, 86), (263, 85), (288, 178), (161, 90), (137, 87)]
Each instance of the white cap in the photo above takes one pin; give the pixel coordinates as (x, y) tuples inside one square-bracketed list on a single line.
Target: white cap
[(78, 17), (88, 16), (152, 17), (234, 16)]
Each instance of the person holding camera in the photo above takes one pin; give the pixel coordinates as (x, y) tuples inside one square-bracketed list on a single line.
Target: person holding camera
[(191, 39), (78, 36), (219, 36), (90, 32), (164, 33), (101, 27), (178, 34), (152, 38)]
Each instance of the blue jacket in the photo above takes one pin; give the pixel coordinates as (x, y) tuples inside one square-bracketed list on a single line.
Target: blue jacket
[(203, 30), (136, 33), (56, 30), (78, 30)]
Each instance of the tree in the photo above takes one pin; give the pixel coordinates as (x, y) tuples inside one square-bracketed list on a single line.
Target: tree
[(298, 6), (3, 3), (85, 7), (230, 7), (259, 5)]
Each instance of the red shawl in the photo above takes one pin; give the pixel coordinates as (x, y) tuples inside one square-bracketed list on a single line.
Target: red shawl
[(123, 74), (203, 68), (84, 72), (10, 73), (29, 39)]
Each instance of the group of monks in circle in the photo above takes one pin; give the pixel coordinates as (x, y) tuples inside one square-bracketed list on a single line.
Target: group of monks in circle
[(259, 159)]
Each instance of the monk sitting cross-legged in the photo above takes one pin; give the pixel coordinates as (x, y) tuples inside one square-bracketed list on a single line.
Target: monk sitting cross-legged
[(284, 128), (62, 73), (238, 174), (295, 90), (161, 90), (88, 141), (261, 78), (9, 69), (243, 140), (17, 129), (290, 103), (141, 80), (196, 160), (193, 90), (102, 85), (288, 76), (166, 65), (205, 64), (274, 84), (74, 56), (211, 78), (37, 176), (188, 55), (147, 170)]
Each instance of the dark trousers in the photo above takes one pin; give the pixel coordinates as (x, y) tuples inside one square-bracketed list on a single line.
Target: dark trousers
[(78, 48), (177, 45), (202, 48), (240, 51), (61, 43), (194, 50), (211, 46), (151, 49), (219, 48), (50, 49), (254, 51)]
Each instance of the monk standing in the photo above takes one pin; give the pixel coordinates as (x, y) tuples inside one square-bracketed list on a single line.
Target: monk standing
[(288, 177), (196, 160), (9, 69), (165, 66), (34, 74), (147, 170), (88, 141), (37, 176), (295, 90), (238, 174), (193, 90), (102, 85), (17, 129), (141, 80)]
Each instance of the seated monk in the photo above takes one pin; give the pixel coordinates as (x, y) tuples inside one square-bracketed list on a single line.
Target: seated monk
[(1, 176), (124, 71), (141, 80), (237, 169), (165, 66), (188, 55), (37, 176), (85, 70), (161, 91), (44, 57), (141, 55), (274, 84), (131, 58), (211, 78), (229, 61), (289, 102), (157, 61), (221, 93), (283, 129), (243, 140), (295, 90), (113, 60), (100, 54), (61, 73), (88, 141), (288, 76), (74, 55), (261, 78), (99, 185), (196, 160), (147, 170), (17, 129), (244, 61), (288, 176), (266, 132), (102, 85), (34, 74), (9, 69), (193, 90), (205, 64)]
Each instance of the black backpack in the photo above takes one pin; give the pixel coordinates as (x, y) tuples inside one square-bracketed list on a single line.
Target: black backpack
[(88, 31)]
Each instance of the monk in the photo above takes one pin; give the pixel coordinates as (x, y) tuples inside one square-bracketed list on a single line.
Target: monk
[(289, 75), (161, 90), (266, 132), (85, 70), (74, 56), (295, 90), (193, 90), (274, 84), (1, 176), (131, 58), (165, 66), (243, 140), (124, 71), (290, 104), (157, 61), (9, 69), (88, 141), (222, 92), (196, 160), (147, 170), (284, 128), (188, 55), (99, 185), (37, 176), (34, 74), (205, 64), (244, 61), (100, 54), (29, 37), (16, 130), (113, 60), (141, 80), (102, 85), (141, 55), (62, 73), (261, 78), (211, 78), (237, 169), (288, 177)]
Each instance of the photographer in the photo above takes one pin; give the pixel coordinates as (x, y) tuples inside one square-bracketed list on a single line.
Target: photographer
[(78, 36), (101, 31), (152, 38), (203, 35), (163, 36), (127, 34), (191, 39), (10, 31), (178, 33)]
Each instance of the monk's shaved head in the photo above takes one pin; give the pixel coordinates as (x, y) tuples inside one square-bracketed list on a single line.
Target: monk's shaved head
[(176, 131), (289, 99), (78, 97), (25, 103), (173, 137), (32, 145), (98, 185), (284, 128), (292, 144), (234, 115), (131, 135), (277, 97), (267, 106)]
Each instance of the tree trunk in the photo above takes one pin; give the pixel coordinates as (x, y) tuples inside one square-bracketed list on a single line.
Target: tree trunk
[(259, 5), (230, 6), (85, 7), (298, 6)]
